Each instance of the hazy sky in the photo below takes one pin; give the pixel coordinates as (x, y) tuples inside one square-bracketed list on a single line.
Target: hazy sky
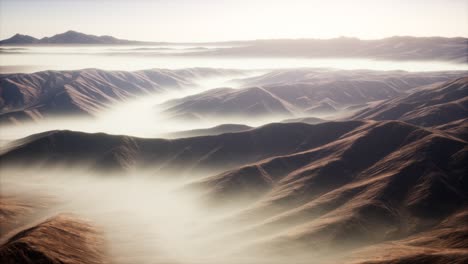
[(211, 20)]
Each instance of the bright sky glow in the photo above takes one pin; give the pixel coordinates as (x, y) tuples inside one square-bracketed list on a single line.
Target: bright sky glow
[(220, 20)]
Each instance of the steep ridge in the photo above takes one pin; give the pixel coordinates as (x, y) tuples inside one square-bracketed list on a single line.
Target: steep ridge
[(186, 154), (428, 106), (217, 130), (33, 96), (379, 182)]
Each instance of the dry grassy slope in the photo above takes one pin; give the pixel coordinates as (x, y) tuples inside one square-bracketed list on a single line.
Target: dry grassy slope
[(63, 239), (381, 181), (445, 243), (311, 91), (431, 106), (26, 96)]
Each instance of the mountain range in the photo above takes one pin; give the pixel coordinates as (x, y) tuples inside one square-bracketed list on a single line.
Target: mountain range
[(392, 48), (338, 183), (69, 37), (383, 182), (279, 93), (86, 92), (303, 92)]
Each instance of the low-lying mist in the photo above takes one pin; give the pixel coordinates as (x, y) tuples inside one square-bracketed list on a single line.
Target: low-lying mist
[(144, 217), (140, 116), (144, 116), (73, 58)]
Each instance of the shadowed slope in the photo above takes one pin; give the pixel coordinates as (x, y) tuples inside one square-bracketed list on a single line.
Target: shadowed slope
[(212, 152), (379, 182)]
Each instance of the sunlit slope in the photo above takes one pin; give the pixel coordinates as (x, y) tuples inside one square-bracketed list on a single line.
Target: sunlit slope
[(445, 243), (302, 92), (380, 182), (86, 92), (61, 239), (429, 106), (332, 187)]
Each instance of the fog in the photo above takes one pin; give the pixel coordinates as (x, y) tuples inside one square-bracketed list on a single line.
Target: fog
[(145, 217), (142, 116), (38, 58)]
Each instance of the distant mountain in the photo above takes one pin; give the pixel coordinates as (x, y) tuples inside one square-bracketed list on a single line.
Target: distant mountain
[(19, 39), (69, 37), (305, 92), (393, 48), (427, 106)]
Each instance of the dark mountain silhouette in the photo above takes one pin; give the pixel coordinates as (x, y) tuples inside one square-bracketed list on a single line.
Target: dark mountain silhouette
[(69, 37), (19, 39), (429, 106), (212, 152)]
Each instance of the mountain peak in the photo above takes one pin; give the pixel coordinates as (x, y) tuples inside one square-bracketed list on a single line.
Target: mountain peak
[(19, 39), (68, 37)]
